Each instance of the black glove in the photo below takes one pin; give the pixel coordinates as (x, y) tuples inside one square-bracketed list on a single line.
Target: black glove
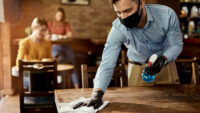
[(156, 66), (95, 101)]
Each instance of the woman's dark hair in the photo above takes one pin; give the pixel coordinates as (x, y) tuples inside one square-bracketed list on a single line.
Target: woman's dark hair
[(62, 11)]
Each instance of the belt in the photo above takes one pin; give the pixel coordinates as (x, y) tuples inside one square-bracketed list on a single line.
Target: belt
[(133, 62)]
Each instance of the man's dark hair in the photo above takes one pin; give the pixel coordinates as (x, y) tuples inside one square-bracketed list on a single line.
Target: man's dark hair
[(114, 1)]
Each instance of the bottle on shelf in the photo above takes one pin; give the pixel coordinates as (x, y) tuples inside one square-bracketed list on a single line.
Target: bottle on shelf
[(191, 27), (184, 11), (190, 1), (198, 28), (185, 0), (183, 29), (194, 12), (199, 12)]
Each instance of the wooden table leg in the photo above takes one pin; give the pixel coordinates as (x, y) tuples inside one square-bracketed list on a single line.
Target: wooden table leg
[(67, 80)]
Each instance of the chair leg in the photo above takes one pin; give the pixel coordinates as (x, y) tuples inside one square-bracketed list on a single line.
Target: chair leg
[(84, 76), (194, 74), (121, 82)]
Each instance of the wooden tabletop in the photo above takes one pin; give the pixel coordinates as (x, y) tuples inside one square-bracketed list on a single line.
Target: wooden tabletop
[(97, 41), (157, 99), (79, 45)]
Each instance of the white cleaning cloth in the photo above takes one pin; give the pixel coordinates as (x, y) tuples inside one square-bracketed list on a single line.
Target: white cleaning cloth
[(68, 107)]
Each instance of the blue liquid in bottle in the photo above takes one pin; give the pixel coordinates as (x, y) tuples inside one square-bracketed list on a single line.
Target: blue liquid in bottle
[(148, 78), (145, 76)]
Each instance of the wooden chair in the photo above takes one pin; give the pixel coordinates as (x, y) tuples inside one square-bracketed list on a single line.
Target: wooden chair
[(118, 75), (49, 68), (195, 68)]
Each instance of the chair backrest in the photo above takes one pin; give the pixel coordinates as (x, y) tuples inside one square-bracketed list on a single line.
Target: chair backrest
[(118, 74), (47, 67), (195, 68)]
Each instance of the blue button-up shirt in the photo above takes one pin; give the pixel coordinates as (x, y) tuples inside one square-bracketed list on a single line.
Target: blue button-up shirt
[(161, 35)]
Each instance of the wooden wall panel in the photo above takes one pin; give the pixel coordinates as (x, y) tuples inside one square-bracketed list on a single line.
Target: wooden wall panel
[(9, 10), (5, 61), (9, 17), (1, 67)]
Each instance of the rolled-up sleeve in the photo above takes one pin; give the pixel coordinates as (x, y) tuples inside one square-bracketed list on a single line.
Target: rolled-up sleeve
[(109, 58), (174, 38)]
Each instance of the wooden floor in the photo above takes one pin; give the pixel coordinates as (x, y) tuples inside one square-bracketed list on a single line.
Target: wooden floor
[(10, 104)]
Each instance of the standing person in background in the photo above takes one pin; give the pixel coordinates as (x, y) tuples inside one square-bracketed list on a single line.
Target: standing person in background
[(59, 28)]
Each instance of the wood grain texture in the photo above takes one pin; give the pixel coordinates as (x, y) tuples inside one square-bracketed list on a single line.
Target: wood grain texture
[(159, 99), (5, 61), (1, 64)]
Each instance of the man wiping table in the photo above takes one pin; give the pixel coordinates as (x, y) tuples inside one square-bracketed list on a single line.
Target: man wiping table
[(144, 30)]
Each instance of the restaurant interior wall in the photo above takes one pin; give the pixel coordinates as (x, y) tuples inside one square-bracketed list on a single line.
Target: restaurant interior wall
[(90, 21)]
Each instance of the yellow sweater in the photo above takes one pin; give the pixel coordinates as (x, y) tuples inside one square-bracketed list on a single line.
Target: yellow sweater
[(32, 51)]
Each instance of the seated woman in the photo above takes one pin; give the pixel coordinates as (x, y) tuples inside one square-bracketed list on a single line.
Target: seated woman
[(35, 47), (60, 29)]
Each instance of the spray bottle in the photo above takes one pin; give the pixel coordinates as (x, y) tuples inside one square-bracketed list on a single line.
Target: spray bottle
[(145, 76)]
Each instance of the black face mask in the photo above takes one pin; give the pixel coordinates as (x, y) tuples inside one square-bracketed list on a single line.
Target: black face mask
[(132, 20)]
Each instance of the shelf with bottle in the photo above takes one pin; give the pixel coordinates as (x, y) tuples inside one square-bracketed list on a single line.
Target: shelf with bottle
[(192, 10), (190, 4), (190, 18), (190, 28)]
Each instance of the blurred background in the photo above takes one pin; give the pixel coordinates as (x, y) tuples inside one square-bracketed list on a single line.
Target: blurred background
[(90, 22)]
